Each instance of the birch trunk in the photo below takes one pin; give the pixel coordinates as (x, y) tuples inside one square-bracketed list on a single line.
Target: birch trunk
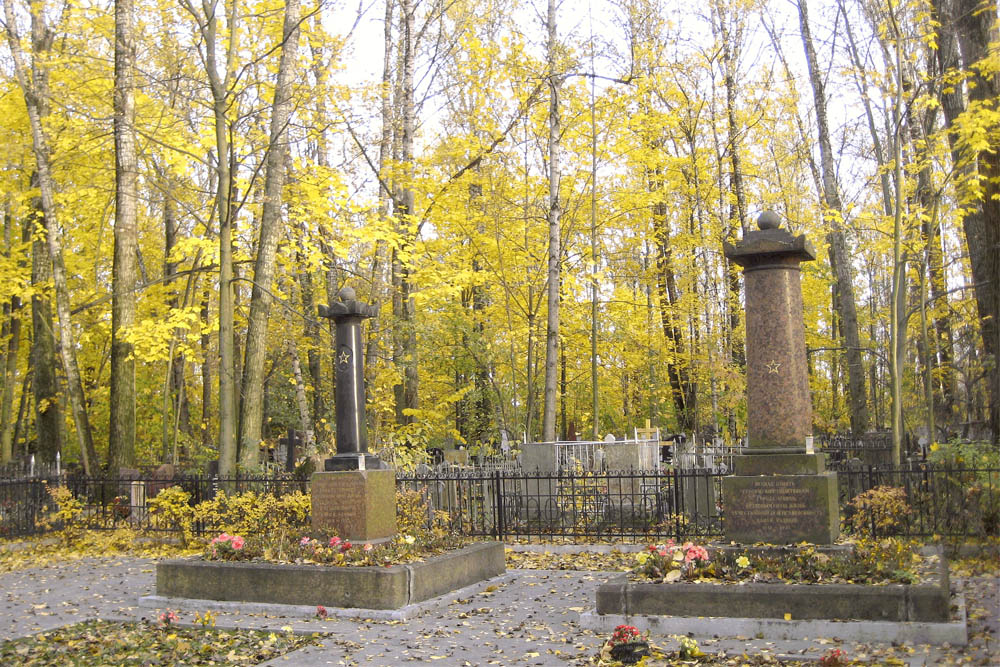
[(555, 240), (252, 405), (34, 86), (121, 432)]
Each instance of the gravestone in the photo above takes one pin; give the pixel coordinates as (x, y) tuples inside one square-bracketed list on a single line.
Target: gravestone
[(355, 496), (780, 492), (288, 449)]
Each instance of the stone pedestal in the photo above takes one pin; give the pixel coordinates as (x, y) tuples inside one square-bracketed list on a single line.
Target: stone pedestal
[(358, 505), (781, 509), (781, 492)]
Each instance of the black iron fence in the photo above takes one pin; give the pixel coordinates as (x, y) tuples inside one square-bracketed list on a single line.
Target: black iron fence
[(615, 506), (603, 506), (26, 507), (939, 500)]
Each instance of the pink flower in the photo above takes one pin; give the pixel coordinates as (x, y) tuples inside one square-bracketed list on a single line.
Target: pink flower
[(334, 541), (304, 541), (320, 611), (368, 546), (693, 552), (237, 542), (224, 537)]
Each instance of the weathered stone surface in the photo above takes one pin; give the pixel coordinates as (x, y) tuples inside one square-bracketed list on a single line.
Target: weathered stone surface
[(897, 602), (442, 574), (369, 588), (779, 464), (359, 505), (779, 410), (539, 457), (352, 587), (781, 509)]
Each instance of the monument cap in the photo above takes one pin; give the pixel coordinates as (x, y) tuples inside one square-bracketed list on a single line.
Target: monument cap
[(347, 294), (769, 220)]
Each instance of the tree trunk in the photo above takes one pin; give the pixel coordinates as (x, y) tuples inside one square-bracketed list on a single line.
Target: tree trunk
[(555, 240), (121, 432), (840, 257), (405, 334), (34, 85), (13, 333), (45, 383), (667, 289), (207, 359), (964, 36), (252, 405), (220, 81)]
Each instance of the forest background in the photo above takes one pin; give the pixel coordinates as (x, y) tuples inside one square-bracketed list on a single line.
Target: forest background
[(535, 193)]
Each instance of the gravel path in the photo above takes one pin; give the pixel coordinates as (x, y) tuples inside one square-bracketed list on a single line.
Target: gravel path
[(527, 619)]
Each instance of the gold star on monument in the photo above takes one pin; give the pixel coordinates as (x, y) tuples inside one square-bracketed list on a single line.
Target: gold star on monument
[(345, 358), (773, 366)]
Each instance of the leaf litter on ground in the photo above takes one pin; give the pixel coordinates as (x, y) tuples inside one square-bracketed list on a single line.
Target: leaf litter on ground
[(97, 643)]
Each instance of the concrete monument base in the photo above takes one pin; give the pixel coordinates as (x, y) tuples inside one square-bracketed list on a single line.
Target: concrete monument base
[(359, 505), (781, 508), (349, 587)]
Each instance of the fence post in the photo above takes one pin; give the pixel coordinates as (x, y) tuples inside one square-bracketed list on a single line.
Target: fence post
[(498, 524)]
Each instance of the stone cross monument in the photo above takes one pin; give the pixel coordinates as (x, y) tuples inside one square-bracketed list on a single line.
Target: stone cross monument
[(349, 398), (355, 496), (780, 492)]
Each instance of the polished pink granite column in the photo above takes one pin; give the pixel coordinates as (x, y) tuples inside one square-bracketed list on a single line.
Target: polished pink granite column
[(779, 408)]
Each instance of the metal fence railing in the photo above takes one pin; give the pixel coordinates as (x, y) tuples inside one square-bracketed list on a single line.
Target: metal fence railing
[(108, 503), (599, 506), (603, 506), (941, 500)]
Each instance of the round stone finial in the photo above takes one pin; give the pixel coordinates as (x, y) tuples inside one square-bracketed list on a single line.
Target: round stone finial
[(769, 220), (347, 294)]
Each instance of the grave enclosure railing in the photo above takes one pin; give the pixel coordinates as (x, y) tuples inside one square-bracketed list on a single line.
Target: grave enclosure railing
[(516, 505), (107, 503)]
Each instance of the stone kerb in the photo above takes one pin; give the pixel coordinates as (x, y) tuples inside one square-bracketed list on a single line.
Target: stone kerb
[(923, 612), (349, 587)]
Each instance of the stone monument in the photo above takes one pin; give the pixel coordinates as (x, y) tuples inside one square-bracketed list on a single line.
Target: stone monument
[(780, 491), (355, 496)]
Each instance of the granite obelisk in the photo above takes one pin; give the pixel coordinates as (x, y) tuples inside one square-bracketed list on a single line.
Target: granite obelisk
[(781, 492)]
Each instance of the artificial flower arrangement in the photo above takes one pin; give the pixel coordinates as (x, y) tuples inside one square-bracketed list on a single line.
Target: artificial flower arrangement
[(870, 561)]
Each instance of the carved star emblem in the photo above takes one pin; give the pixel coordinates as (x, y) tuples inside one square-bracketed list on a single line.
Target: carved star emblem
[(772, 366), (345, 358)]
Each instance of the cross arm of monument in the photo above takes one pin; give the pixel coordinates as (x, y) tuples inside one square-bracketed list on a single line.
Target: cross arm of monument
[(348, 306)]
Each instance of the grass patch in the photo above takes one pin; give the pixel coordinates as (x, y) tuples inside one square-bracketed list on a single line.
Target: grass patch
[(99, 643)]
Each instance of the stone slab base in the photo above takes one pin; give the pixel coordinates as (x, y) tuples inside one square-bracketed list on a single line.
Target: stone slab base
[(160, 603), (781, 509), (953, 632), (894, 602), (310, 585), (359, 505), (778, 464)]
